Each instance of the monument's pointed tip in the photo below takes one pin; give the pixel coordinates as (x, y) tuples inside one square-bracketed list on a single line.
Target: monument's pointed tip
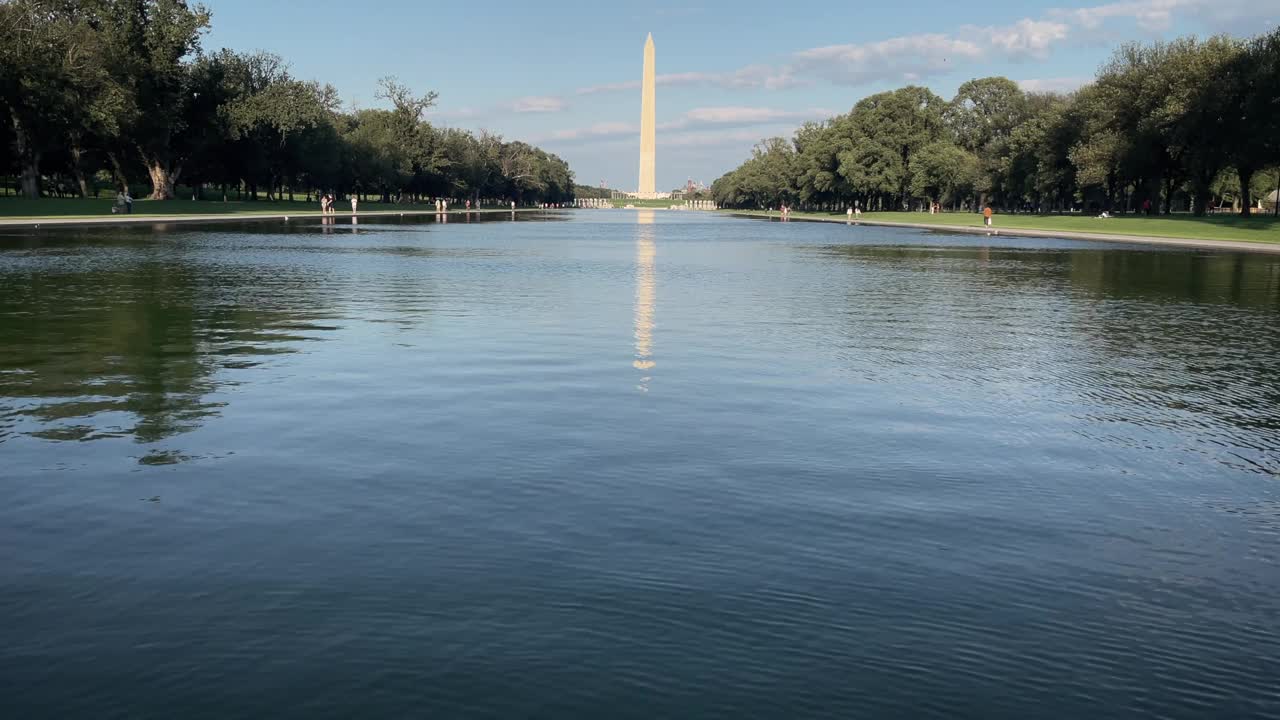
[(650, 40)]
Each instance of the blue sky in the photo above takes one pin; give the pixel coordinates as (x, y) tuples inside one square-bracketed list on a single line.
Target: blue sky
[(565, 75)]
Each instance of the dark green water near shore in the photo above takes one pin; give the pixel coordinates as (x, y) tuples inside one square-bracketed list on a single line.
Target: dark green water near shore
[(621, 464)]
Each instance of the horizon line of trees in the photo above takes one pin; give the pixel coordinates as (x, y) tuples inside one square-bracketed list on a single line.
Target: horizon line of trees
[(1167, 126), (98, 93)]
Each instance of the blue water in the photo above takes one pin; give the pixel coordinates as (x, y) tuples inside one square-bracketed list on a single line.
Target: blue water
[(634, 464)]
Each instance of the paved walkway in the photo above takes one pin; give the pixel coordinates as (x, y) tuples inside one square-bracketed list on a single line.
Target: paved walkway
[(1232, 245), (232, 217)]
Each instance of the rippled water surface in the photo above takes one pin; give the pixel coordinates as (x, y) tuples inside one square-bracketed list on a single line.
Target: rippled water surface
[(619, 464)]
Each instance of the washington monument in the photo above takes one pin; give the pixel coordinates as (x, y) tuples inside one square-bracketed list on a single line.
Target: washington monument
[(648, 188)]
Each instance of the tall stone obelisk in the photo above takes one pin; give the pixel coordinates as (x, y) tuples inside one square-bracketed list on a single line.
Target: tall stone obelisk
[(648, 140)]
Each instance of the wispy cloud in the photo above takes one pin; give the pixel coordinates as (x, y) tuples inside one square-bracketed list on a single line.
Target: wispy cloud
[(1150, 15), (596, 131), (752, 76), (711, 138), (741, 116), (537, 104), (1026, 38), (913, 58), (1157, 16), (901, 59), (464, 113), (706, 119), (608, 87), (1057, 85)]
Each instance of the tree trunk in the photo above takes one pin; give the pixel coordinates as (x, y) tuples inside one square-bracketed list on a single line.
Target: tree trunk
[(29, 159), (77, 169), (1246, 176), (1202, 196), (162, 179), (118, 172)]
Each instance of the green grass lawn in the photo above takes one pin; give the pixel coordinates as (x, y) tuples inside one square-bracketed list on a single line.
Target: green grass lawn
[(1214, 227), (21, 208)]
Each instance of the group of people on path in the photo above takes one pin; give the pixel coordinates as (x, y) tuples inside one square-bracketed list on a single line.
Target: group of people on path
[(327, 200)]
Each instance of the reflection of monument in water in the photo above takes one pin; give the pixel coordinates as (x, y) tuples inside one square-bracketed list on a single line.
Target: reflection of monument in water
[(644, 296)]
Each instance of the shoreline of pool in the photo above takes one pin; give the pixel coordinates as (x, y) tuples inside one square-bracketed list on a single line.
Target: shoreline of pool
[(36, 222), (1232, 245)]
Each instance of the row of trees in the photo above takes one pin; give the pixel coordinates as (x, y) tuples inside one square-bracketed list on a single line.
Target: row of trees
[(1164, 125), (121, 89)]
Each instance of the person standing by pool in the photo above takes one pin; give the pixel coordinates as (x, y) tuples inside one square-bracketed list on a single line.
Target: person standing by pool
[(355, 202), (986, 215)]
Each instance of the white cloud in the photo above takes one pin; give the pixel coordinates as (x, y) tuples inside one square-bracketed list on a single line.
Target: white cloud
[(597, 131), (465, 113), (752, 76), (908, 58), (718, 121), (710, 138), (740, 116), (1158, 16), (537, 104), (608, 87), (1151, 15), (760, 76), (1057, 85), (1025, 38), (914, 58)]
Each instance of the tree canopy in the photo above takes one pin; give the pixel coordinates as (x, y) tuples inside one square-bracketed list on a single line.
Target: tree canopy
[(1163, 124), (122, 90)]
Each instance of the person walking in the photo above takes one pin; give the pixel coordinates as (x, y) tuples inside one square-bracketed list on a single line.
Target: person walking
[(355, 202), (986, 215), (848, 215)]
